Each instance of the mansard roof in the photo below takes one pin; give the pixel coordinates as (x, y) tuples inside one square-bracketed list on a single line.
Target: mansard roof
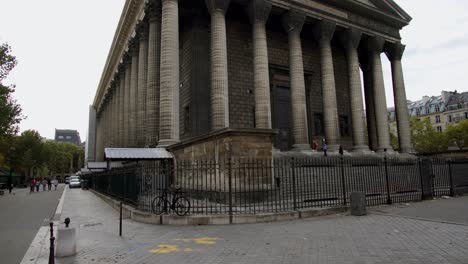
[(458, 98)]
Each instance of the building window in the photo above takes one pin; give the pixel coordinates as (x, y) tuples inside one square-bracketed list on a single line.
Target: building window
[(439, 129), (68, 137), (417, 111), (466, 115), (437, 108), (428, 110), (60, 137), (437, 118), (460, 106), (318, 124), (344, 126), (449, 118)]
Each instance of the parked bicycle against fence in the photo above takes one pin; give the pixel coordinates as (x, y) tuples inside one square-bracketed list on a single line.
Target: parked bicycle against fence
[(178, 203)]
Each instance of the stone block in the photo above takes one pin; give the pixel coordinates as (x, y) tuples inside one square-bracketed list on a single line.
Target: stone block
[(358, 204), (66, 242)]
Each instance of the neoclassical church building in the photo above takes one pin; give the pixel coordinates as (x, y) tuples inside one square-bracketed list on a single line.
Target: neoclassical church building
[(202, 78)]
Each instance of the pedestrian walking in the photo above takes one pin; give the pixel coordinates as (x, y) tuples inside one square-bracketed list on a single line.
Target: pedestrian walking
[(55, 182), (341, 150), (49, 183), (38, 184), (324, 147), (32, 185), (10, 188), (314, 145), (44, 183)]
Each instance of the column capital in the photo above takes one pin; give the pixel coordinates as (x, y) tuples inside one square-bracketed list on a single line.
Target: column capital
[(394, 51), (375, 44), (323, 31), (350, 38), (294, 20), (221, 5), (142, 30), (259, 10), (133, 46), (153, 10)]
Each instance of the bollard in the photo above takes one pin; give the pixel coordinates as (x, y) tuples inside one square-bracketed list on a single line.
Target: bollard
[(66, 240), (358, 203), (52, 246)]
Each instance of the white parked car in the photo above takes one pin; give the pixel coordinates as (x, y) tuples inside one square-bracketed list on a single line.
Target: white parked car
[(75, 182)]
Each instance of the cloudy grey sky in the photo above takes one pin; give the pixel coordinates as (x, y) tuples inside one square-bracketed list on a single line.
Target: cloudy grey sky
[(62, 46)]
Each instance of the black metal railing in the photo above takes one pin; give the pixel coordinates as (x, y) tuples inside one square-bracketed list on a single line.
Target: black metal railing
[(248, 186)]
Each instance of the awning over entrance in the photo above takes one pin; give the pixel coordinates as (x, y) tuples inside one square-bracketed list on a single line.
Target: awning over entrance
[(137, 154)]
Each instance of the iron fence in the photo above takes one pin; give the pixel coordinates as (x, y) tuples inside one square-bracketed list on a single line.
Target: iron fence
[(249, 186)]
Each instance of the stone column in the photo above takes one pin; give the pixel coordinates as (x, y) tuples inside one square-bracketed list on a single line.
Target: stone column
[(394, 54), (128, 75), (293, 22), (99, 136), (369, 98), (350, 40), (112, 115), (169, 86), (121, 141), (142, 84), (259, 10), (219, 66), (116, 109), (133, 115), (378, 88), (323, 33), (154, 59), (92, 135)]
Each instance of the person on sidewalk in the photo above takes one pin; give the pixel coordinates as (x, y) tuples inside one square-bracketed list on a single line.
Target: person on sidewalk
[(55, 182), (10, 188), (38, 184), (44, 183), (324, 147), (32, 185), (49, 184)]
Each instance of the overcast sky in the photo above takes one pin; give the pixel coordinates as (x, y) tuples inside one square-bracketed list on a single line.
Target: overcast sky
[(62, 46)]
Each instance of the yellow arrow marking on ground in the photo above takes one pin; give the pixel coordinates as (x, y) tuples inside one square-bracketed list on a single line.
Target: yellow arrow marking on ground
[(164, 249)]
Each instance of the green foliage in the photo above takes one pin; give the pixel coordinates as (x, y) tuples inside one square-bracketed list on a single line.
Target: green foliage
[(394, 141), (425, 138), (458, 134), (10, 110)]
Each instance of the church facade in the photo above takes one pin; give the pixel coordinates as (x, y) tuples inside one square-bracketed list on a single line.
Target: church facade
[(251, 77)]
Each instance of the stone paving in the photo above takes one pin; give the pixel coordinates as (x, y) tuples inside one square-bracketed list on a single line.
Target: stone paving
[(375, 238)]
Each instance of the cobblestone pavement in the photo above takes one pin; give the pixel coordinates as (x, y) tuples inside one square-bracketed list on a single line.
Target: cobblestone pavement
[(374, 238)]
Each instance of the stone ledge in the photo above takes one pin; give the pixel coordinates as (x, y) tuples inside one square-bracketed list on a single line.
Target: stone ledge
[(148, 218)]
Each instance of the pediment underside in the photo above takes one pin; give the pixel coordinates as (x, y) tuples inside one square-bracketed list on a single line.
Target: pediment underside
[(389, 7)]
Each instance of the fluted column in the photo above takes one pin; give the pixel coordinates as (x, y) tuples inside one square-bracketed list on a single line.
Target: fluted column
[(394, 54), (92, 132), (112, 113), (369, 98), (133, 115), (121, 141), (169, 86), (142, 84), (127, 102), (350, 40), (258, 11), (219, 66), (98, 136), (154, 58), (116, 109), (378, 88), (323, 33), (293, 22)]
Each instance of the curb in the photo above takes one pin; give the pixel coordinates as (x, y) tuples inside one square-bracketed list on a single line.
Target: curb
[(38, 251), (149, 218)]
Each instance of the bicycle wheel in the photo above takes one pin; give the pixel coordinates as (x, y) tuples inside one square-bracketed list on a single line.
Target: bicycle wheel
[(181, 206), (158, 205)]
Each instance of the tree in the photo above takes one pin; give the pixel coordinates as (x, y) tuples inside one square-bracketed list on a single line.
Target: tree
[(425, 138), (10, 110), (458, 134)]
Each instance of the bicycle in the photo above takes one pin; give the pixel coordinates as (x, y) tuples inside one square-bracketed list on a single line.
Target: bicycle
[(179, 203)]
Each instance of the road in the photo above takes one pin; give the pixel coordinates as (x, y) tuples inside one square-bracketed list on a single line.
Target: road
[(21, 216)]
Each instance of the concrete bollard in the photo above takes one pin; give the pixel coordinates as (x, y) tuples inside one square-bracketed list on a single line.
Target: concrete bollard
[(358, 203), (66, 242)]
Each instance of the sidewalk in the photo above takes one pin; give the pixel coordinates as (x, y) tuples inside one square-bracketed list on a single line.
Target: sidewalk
[(376, 238)]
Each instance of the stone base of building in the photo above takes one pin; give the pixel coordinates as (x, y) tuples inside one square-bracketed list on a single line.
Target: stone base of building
[(226, 143)]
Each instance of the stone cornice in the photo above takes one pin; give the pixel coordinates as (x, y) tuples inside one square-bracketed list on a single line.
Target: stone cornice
[(134, 11)]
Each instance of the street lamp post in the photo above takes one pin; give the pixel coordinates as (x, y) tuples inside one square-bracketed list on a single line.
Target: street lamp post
[(10, 158)]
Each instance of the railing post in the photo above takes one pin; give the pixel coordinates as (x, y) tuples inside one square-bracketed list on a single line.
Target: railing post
[(294, 183), (389, 200), (230, 187), (52, 246), (452, 193), (421, 179), (343, 180)]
